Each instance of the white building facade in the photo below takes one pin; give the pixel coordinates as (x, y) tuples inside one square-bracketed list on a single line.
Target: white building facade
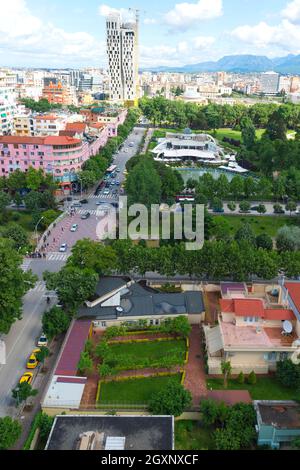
[(122, 50)]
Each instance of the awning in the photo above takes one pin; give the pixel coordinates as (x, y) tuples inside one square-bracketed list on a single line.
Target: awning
[(214, 339)]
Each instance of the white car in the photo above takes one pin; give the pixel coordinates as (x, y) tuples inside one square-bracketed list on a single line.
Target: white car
[(63, 248), (43, 341), (74, 228), (106, 192)]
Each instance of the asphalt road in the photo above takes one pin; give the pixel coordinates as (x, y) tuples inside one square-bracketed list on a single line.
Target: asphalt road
[(23, 336), (269, 209)]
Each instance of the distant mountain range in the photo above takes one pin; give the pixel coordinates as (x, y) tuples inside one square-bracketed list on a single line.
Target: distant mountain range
[(240, 64)]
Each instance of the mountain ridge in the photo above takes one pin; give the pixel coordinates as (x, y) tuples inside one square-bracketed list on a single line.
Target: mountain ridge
[(244, 63)]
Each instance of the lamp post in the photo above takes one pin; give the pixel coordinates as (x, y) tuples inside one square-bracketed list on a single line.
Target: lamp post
[(36, 234)]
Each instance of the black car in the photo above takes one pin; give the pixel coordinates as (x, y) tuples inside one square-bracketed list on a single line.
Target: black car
[(85, 216), (84, 201)]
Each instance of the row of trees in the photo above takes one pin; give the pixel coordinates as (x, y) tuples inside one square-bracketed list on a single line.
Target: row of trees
[(207, 187), (161, 111)]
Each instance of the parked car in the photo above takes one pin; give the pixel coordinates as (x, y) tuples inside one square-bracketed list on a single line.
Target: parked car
[(27, 378), (118, 170), (63, 248), (118, 183), (106, 192), (85, 216), (84, 201), (255, 208), (43, 341), (218, 211), (32, 362)]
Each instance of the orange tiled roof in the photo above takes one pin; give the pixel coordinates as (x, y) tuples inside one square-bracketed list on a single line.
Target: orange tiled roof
[(294, 291), (248, 307), (227, 305), (51, 140), (279, 314), (76, 126)]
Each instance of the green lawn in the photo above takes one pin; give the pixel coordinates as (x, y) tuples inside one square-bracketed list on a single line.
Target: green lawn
[(153, 349), (266, 388), (133, 391), (260, 224), (191, 435)]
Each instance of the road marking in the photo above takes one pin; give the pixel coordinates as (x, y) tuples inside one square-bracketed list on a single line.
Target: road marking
[(56, 256)]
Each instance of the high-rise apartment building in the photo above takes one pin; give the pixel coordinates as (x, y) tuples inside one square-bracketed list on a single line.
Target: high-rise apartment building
[(269, 83), (122, 50)]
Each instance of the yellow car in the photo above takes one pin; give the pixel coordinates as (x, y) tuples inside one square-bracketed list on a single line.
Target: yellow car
[(27, 377), (32, 362)]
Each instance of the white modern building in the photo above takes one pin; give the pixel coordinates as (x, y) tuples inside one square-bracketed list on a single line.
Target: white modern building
[(8, 108), (122, 50), (269, 83)]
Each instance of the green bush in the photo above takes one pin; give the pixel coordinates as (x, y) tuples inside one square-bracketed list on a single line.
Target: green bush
[(252, 378), (241, 378)]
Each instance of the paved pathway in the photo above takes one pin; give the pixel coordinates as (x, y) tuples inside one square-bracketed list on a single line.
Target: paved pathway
[(195, 379)]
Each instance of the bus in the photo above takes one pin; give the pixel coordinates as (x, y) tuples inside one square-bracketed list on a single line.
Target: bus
[(111, 170)]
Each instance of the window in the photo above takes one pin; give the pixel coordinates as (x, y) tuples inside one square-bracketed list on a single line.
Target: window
[(103, 324), (251, 319)]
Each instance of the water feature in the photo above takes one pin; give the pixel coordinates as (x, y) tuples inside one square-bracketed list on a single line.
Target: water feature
[(195, 173)]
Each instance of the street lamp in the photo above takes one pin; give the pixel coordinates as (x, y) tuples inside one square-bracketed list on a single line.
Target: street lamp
[(36, 234), (78, 177)]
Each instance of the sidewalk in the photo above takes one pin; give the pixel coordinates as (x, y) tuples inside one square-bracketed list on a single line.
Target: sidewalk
[(40, 383)]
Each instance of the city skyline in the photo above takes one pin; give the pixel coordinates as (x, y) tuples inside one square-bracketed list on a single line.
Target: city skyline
[(51, 34)]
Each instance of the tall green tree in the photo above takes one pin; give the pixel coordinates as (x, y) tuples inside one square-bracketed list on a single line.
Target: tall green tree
[(10, 431)]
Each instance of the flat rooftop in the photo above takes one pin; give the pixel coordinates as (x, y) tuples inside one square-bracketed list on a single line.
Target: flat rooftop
[(280, 415), (140, 432), (248, 337)]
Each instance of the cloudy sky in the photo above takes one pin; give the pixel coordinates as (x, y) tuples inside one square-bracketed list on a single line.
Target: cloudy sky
[(71, 33)]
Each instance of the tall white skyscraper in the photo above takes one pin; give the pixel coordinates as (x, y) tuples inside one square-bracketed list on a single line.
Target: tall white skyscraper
[(269, 83), (122, 50)]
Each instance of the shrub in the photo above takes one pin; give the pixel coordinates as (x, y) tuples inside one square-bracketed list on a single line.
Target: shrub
[(252, 378), (241, 378), (171, 400), (288, 374)]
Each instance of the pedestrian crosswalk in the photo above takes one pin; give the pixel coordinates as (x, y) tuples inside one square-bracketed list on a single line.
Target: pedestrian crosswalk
[(26, 265), (57, 256), (39, 287), (92, 211), (100, 196)]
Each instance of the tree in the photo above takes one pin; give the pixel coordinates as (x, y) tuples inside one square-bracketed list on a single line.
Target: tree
[(216, 204), (171, 400), (4, 201), (264, 241), (87, 254), (232, 206), (42, 355), (22, 392), (291, 207), (248, 132), (246, 234), (16, 233), (213, 413), (10, 431), (179, 325), (241, 378), (14, 284), (143, 185), (296, 443), (245, 206), (261, 209), (252, 378), (237, 187), (288, 374), (55, 322), (45, 425), (34, 179), (288, 239), (276, 127), (226, 371), (225, 439), (85, 364), (73, 285), (278, 209), (33, 201)]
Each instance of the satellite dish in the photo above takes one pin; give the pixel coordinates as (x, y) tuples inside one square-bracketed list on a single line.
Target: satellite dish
[(287, 326), (120, 309)]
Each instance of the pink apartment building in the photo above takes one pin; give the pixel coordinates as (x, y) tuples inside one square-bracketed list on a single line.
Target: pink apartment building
[(60, 156)]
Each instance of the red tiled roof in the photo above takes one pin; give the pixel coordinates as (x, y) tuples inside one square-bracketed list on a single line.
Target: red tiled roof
[(97, 125), (71, 380), (248, 308), (294, 292), (227, 305), (70, 356), (76, 126), (279, 314), (46, 118), (51, 140), (67, 133)]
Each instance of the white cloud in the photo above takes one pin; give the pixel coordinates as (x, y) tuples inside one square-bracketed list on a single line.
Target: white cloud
[(285, 35), (105, 10), (149, 21), (185, 52), (292, 11), (184, 15), (23, 33)]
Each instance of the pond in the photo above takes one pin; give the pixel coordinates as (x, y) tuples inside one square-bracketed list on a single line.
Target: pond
[(195, 173)]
